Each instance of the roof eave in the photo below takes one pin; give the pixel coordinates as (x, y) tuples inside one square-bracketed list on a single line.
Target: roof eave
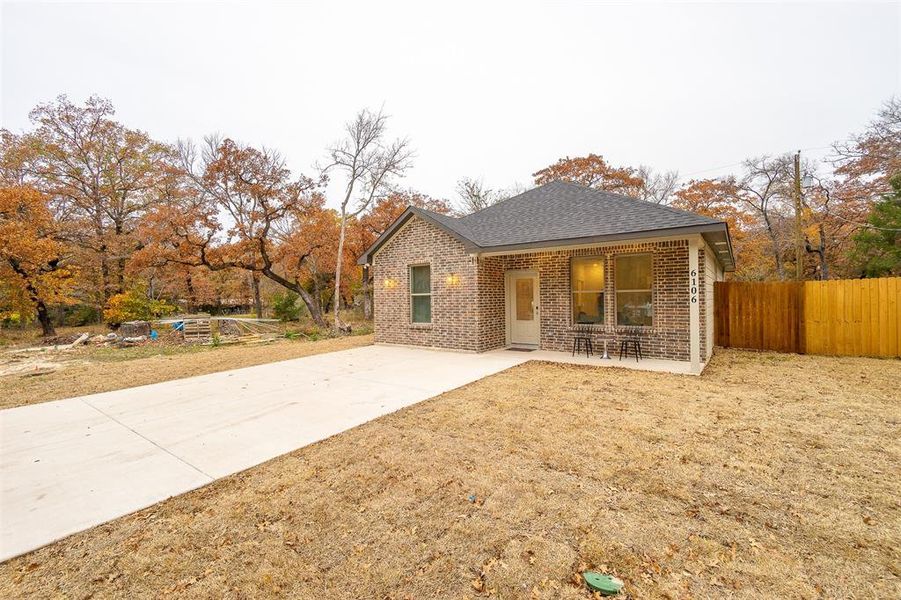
[(613, 237), (728, 265)]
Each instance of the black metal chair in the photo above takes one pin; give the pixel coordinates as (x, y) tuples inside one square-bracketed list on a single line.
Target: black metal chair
[(633, 341), (582, 339)]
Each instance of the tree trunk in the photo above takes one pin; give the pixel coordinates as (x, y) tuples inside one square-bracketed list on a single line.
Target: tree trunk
[(192, 294), (824, 266), (120, 276), (777, 255), (311, 303), (44, 319), (257, 302), (312, 306), (120, 262), (104, 278), (39, 306), (339, 260), (367, 295)]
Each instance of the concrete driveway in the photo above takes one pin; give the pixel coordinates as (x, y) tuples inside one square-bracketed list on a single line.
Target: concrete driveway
[(71, 464)]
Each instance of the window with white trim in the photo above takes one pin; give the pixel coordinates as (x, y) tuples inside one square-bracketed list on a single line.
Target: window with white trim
[(634, 278), (587, 283)]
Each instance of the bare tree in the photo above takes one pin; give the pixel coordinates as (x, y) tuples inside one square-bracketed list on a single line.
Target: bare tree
[(866, 162), (508, 192), (766, 191), (474, 195), (658, 187), (369, 164)]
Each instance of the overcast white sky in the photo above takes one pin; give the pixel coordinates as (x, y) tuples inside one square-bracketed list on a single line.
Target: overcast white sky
[(492, 90)]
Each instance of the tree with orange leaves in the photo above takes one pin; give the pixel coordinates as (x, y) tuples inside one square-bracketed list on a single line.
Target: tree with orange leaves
[(592, 171), (721, 199), (237, 207), (102, 174), (595, 172), (33, 260), (386, 210), (866, 162), (714, 198), (314, 238)]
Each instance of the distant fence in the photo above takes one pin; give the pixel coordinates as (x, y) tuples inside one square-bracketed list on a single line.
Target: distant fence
[(850, 317)]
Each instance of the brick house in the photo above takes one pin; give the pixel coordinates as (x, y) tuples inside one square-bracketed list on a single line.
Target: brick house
[(532, 269)]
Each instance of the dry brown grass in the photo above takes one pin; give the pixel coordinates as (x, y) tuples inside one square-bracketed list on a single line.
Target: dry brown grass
[(89, 370), (769, 476)]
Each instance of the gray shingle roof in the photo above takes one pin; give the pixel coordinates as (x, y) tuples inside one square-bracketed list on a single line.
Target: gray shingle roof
[(564, 213)]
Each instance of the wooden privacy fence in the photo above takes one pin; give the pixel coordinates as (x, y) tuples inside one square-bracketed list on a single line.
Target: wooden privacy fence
[(850, 317), (765, 316)]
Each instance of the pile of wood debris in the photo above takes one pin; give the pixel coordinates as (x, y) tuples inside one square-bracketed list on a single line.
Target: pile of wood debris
[(205, 329), (187, 329)]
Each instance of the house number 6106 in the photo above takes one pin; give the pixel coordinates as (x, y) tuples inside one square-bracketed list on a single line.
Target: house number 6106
[(694, 286)]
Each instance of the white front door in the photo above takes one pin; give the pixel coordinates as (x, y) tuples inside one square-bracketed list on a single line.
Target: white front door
[(522, 307)]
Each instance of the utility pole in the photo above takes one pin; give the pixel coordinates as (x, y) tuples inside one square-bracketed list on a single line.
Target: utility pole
[(799, 238)]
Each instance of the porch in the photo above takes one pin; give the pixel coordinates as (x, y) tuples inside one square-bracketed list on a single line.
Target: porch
[(656, 365), (545, 299)]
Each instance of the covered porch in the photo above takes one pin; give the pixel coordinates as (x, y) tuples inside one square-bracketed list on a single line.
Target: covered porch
[(645, 292)]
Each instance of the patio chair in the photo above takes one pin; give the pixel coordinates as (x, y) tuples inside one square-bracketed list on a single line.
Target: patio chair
[(582, 339), (633, 341)]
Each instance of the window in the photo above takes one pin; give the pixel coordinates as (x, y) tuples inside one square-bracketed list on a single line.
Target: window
[(587, 282), (421, 293), (634, 278)]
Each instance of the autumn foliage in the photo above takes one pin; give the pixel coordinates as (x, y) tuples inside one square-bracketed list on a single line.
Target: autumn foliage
[(101, 215), (592, 171), (34, 267)]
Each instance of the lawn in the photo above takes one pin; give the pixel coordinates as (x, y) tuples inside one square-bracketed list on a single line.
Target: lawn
[(89, 370), (769, 476)]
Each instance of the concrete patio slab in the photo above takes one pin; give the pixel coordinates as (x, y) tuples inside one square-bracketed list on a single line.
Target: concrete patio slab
[(72, 464), (657, 365)]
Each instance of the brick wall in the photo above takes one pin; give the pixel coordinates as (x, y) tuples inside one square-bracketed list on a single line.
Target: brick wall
[(455, 310), (472, 314)]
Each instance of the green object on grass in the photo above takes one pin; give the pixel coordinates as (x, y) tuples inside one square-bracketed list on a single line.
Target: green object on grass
[(608, 585)]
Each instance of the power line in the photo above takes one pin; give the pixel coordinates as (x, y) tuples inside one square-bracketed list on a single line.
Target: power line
[(864, 225), (738, 164)]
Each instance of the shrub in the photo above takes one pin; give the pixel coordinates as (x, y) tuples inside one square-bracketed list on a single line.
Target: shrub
[(135, 305), (81, 314), (285, 307), (13, 319)]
